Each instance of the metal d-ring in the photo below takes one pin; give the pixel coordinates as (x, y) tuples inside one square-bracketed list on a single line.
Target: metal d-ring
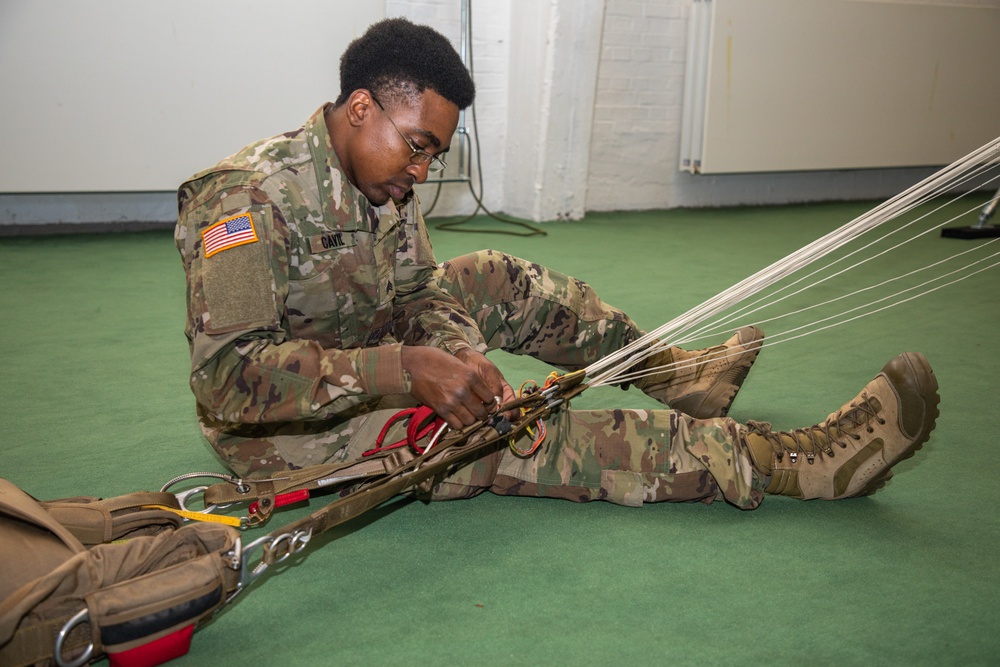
[(81, 616)]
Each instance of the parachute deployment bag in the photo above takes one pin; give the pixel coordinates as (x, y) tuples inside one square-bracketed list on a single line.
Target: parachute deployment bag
[(71, 592)]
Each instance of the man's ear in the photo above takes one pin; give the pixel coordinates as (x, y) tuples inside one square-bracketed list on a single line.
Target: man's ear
[(359, 106)]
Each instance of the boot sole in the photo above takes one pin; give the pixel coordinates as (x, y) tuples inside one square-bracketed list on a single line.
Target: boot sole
[(719, 399), (738, 374), (914, 382)]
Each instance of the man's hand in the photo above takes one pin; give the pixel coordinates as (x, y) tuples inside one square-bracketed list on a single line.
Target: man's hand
[(461, 389), (489, 372)]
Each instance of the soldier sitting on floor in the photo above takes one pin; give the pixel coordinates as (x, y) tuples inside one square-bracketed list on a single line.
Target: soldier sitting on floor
[(316, 311)]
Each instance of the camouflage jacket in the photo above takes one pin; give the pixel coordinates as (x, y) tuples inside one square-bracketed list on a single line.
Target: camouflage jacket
[(299, 291)]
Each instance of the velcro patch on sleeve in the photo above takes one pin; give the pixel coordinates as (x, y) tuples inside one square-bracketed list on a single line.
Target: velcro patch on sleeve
[(229, 233), (238, 284)]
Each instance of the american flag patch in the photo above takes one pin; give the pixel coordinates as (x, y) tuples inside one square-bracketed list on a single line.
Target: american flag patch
[(229, 233)]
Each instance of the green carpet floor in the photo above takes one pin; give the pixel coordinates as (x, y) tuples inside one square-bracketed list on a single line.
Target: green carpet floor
[(95, 401)]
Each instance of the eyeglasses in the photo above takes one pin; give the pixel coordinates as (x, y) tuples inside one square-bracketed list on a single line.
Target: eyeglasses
[(418, 155)]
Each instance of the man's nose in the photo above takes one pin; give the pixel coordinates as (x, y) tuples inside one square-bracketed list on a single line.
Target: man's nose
[(419, 172)]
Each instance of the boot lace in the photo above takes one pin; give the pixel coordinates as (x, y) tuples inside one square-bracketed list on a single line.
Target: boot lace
[(839, 429)]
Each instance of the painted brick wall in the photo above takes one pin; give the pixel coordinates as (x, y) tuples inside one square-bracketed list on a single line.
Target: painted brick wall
[(637, 113)]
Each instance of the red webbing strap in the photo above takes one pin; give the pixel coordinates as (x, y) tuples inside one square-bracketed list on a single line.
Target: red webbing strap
[(280, 500)]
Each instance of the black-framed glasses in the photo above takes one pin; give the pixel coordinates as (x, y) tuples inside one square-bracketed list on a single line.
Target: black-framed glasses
[(418, 155)]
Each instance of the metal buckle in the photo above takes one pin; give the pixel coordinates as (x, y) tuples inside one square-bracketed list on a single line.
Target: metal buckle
[(185, 496)]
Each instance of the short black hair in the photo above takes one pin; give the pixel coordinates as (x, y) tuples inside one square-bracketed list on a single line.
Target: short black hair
[(396, 58)]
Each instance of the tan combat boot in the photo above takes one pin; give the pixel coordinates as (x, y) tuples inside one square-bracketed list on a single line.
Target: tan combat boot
[(853, 451), (703, 383)]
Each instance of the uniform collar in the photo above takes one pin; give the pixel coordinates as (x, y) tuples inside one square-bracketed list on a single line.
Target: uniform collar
[(341, 200)]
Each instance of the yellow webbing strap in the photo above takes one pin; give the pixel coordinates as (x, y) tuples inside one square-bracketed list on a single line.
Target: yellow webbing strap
[(234, 521)]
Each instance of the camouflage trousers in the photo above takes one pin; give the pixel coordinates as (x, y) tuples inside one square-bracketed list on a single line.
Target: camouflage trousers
[(623, 456)]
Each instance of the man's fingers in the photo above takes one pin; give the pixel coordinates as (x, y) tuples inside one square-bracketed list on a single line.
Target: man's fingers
[(453, 421), (461, 416), (508, 396), (486, 395), (461, 389)]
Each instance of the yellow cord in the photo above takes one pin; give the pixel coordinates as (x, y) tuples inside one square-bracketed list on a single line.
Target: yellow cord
[(541, 424)]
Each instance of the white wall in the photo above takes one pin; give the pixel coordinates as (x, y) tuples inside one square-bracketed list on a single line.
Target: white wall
[(491, 57), (622, 121), (119, 95), (535, 64), (832, 86)]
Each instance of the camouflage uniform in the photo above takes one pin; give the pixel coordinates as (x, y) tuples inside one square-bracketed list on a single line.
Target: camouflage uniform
[(301, 294)]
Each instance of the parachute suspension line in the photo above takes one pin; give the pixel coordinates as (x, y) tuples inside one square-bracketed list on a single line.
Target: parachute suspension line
[(821, 324), (621, 365), (841, 317), (719, 325), (721, 328)]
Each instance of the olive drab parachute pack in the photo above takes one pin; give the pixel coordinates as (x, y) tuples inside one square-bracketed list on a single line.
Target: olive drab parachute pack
[(129, 578)]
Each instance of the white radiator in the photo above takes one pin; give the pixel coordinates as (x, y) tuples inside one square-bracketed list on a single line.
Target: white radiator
[(794, 85)]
